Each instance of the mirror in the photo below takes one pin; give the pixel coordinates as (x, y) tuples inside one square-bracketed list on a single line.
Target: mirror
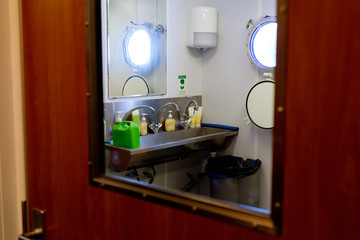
[(134, 56), (260, 104), (219, 80)]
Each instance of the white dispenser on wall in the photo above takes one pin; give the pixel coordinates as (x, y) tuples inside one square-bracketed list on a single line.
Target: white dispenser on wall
[(202, 27)]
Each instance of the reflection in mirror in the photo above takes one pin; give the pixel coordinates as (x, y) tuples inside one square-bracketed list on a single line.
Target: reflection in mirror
[(134, 35), (221, 167), (135, 85)]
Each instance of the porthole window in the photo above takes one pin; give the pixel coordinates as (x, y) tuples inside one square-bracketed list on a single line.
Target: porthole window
[(137, 46), (142, 47), (262, 43)]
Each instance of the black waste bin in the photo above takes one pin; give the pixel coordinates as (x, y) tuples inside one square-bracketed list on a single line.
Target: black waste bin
[(224, 173), (231, 167)]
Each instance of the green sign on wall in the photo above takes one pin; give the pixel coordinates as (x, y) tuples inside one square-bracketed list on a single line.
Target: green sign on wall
[(182, 84)]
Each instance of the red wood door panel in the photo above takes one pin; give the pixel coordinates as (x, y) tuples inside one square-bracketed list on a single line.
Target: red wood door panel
[(321, 191)]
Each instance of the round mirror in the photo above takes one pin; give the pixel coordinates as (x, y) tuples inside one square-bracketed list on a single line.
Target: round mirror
[(260, 104), (262, 43)]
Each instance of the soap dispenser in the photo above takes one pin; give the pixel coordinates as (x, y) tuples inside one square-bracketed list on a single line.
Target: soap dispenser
[(170, 123), (118, 118), (143, 125)]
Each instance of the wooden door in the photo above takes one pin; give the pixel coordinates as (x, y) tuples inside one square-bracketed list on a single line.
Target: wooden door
[(54, 73), (320, 202), (57, 140)]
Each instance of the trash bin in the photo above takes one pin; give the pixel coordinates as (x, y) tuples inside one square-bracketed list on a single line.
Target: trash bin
[(224, 173)]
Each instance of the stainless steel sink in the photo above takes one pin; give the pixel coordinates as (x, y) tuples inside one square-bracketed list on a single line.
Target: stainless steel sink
[(167, 146)]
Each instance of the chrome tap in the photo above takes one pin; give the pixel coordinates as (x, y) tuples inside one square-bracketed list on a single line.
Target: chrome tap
[(136, 108), (155, 127), (185, 123)]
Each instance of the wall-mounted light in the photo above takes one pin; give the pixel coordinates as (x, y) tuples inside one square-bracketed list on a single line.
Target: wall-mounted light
[(202, 27)]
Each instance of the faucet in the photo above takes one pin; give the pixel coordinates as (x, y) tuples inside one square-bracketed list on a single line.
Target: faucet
[(155, 127), (185, 123), (136, 108)]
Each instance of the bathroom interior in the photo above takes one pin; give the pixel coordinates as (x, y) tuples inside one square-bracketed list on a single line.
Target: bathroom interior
[(217, 79)]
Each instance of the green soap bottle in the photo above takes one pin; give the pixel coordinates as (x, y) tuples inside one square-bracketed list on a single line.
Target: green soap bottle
[(126, 134)]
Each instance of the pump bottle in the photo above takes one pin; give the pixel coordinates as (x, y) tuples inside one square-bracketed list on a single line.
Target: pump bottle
[(118, 118), (143, 125), (170, 123)]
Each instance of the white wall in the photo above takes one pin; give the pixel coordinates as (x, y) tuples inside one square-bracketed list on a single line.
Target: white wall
[(223, 76), (227, 78), (181, 60), (12, 164)]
